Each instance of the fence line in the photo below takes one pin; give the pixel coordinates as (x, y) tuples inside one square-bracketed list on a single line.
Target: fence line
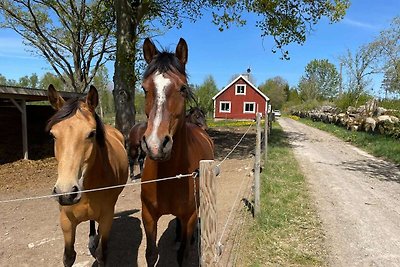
[(219, 244), (230, 213), (238, 244), (233, 149), (179, 176)]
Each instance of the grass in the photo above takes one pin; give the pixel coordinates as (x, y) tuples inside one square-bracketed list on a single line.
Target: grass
[(376, 144), (288, 231), (228, 123)]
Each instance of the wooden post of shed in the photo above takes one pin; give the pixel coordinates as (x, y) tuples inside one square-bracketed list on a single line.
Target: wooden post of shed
[(22, 109), (266, 125), (257, 166), (208, 215)]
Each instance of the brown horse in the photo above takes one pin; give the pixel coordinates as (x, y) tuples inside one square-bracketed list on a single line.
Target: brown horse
[(173, 147), (135, 151), (90, 155), (195, 115)]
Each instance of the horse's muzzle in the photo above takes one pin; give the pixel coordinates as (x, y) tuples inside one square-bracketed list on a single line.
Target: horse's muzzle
[(68, 198), (159, 150)]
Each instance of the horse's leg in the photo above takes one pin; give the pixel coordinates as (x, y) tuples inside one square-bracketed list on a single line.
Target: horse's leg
[(187, 226), (178, 231), (105, 223), (93, 238), (141, 157), (150, 227), (68, 227)]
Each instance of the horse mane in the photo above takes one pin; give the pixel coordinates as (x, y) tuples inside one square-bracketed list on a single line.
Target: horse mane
[(68, 110), (167, 61)]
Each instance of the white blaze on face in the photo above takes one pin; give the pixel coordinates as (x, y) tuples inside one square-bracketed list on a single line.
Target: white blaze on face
[(161, 83)]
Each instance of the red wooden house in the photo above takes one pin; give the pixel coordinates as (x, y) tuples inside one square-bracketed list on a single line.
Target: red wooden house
[(239, 100)]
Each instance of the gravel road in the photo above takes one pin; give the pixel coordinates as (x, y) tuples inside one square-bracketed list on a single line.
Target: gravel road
[(356, 195)]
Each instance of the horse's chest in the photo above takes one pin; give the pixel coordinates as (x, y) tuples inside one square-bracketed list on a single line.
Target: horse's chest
[(170, 198)]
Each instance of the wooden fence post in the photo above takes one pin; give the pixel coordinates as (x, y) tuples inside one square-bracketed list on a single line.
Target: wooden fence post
[(266, 129), (257, 167), (208, 215)]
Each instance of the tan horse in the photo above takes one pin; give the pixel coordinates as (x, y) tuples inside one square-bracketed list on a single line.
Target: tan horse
[(173, 147), (90, 155)]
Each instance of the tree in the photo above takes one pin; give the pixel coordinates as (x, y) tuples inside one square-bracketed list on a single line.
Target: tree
[(204, 94), (29, 81), (74, 37), (388, 46), (277, 90), (101, 82), (359, 66), (81, 36), (286, 21), (320, 81), (391, 80), (293, 96), (49, 78)]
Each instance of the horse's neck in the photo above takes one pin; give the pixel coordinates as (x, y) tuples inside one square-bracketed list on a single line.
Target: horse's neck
[(180, 140)]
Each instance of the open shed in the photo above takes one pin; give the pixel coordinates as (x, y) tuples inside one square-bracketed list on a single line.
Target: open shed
[(19, 120)]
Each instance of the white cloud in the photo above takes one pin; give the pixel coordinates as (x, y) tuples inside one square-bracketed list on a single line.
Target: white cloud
[(360, 24)]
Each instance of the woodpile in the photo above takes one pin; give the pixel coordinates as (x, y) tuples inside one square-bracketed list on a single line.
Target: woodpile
[(369, 118)]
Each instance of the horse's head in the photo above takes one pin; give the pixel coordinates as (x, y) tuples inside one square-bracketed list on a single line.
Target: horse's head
[(76, 130), (166, 90), (196, 116)]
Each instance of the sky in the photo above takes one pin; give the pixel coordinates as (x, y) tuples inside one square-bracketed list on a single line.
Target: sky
[(224, 54)]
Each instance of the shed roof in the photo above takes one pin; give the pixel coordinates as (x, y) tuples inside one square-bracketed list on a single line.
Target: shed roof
[(28, 94)]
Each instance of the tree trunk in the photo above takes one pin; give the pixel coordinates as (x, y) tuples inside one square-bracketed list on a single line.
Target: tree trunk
[(124, 73)]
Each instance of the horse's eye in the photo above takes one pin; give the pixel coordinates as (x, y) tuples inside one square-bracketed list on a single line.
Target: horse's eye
[(52, 135), (92, 134), (183, 90)]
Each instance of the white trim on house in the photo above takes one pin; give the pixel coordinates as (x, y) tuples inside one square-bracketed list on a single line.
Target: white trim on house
[(240, 85), (246, 81), (225, 102), (251, 111)]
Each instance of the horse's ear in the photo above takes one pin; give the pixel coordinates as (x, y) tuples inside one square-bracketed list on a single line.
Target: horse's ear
[(149, 50), (181, 51), (92, 98), (55, 98)]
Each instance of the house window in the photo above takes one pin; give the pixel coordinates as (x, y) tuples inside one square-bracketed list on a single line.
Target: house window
[(225, 106), (249, 107), (240, 89)]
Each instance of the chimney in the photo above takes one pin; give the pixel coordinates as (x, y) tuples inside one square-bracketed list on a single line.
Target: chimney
[(247, 74)]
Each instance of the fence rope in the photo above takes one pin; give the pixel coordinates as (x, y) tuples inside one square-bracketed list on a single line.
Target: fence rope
[(219, 244), (233, 149), (239, 235), (179, 176)]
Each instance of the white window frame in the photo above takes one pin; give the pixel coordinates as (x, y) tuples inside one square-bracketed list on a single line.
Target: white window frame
[(225, 102), (244, 107), (236, 89)]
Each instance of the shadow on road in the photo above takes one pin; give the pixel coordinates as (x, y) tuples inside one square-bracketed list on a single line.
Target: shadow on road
[(126, 236), (381, 170)]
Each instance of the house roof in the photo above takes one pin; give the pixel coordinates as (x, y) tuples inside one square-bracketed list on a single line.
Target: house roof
[(248, 82)]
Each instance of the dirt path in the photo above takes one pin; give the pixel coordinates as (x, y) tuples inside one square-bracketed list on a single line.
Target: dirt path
[(356, 194), (30, 234)]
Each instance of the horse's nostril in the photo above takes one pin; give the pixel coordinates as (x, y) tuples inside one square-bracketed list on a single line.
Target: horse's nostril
[(74, 190), (166, 140), (54, 190)]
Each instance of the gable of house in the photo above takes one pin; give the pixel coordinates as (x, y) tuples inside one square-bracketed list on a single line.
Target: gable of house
[(239, 100)]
